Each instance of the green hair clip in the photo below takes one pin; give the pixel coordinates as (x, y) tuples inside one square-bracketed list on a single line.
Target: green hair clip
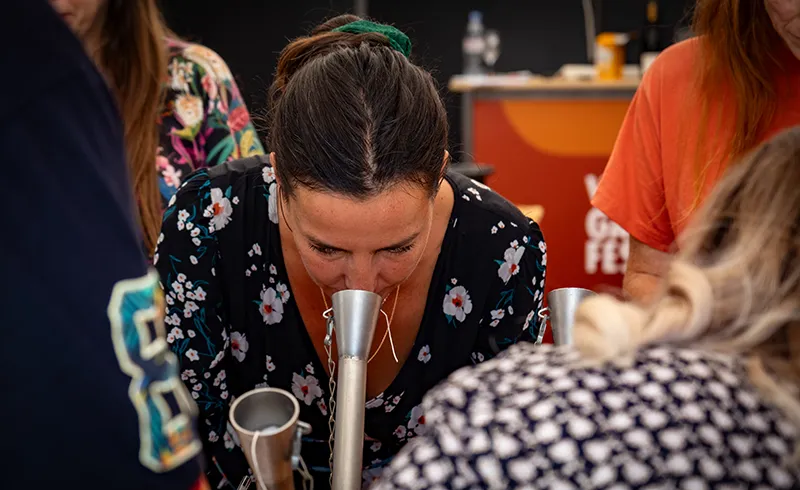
[(397, 39)]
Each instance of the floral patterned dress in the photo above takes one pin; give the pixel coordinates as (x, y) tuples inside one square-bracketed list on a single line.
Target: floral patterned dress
[(204, 121), (234, 324)]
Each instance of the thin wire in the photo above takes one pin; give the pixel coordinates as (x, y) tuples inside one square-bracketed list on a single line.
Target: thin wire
[(254, 459), (389, 320)]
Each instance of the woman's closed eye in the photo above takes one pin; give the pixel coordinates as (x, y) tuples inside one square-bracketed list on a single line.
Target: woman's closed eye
[(400, 250), (323, 250)]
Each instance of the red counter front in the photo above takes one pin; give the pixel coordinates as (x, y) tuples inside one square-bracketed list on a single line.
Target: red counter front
[(548, 152)]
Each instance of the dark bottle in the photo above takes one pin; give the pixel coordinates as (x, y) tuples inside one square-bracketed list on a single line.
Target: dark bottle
[(651, 37)]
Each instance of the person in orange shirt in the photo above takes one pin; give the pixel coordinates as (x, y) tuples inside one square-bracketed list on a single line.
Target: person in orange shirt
[(703, 102)]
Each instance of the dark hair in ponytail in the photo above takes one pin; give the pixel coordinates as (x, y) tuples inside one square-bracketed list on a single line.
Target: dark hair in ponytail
[(351, 115)]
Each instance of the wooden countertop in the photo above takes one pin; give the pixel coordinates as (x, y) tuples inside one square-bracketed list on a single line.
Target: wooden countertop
[(499, 83)]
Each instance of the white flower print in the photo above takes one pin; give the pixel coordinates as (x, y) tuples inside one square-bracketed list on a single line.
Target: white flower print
[(494, 230), (400, 432), (482, 186), (283, 291), (528, 320), (189, 225), (271, 306), (220, 377), (183, 215), (510, 267), (239, 346), (191, 354), (306, 388), (247, 273), (501, 225), (497, 315), (180, 297), (195, 395), (191, 305), (212, 436), (270, 364), (177, 287), (172, 201), (273, 270), (181, 277), (199, 294), (375, 447), (219, 210), (170, 338), (190, 333), (197, 387), (190, 295), (193, 259), (272, 203), (268, 173), (257, 249), (177, 332), (181, 225), (169, 300), (309, 368), (176, 320), (375, 402), (189, 109), (397, 399), (416, 419), (477, 357), (228, 438), (510, 310), (388, 408), (543, 247), (454, 281), (196, 241), (465, 197), (224, 395), (250, 253), (235, 200), (323, 407), (424, 354), (220, 355), (457, 303), (187, 373)]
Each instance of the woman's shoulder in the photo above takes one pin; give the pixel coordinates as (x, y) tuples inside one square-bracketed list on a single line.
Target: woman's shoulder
[(482, 212), (198, 59), (668, 416), (673, 71), (233, 180)]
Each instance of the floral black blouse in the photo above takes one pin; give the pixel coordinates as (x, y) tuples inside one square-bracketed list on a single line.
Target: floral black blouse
[(235, 326)]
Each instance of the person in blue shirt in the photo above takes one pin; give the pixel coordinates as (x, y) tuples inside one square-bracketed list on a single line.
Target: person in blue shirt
[(91, 398)]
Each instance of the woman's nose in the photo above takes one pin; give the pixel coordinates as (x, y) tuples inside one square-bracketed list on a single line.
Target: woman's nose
[(361, 274)]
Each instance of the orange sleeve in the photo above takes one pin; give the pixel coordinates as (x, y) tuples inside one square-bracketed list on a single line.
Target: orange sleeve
[(631, 190)]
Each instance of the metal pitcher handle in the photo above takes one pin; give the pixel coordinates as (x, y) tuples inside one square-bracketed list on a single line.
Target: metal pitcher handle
[(543, 317)]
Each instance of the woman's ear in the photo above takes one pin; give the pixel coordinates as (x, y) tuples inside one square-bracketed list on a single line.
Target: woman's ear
[(443, 171), (272, 162)]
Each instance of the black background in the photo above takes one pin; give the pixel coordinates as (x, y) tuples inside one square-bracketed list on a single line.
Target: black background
[(536, 35)]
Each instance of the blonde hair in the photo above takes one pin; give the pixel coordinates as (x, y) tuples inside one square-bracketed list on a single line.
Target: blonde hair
[(735, 285)]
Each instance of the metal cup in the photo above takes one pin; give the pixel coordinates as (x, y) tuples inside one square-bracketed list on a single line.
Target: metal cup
[(561, 307), (271, 417)]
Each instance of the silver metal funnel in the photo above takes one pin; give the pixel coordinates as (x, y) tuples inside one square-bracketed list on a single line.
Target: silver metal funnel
[(355, 315), (561, 307), (269, 416)]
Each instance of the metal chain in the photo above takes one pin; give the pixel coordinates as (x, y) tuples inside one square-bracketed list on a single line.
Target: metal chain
[(332, 389)]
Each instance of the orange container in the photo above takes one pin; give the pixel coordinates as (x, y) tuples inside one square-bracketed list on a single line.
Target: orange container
[(609, 57)]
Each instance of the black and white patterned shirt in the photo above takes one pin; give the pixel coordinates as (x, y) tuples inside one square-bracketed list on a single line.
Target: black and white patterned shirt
[(537, 417)]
